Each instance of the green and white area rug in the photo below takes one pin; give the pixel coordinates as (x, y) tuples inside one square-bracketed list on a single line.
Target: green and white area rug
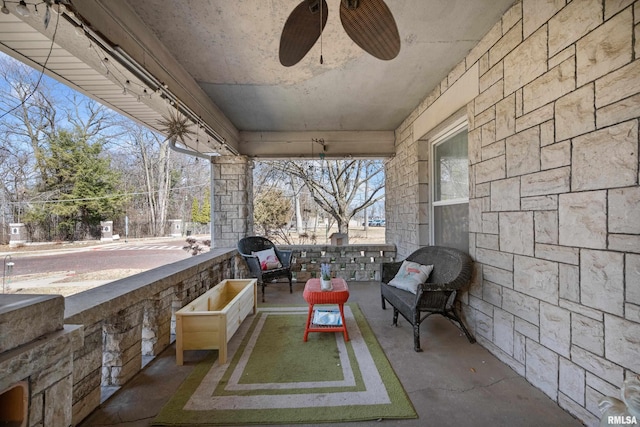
[(273, 377)]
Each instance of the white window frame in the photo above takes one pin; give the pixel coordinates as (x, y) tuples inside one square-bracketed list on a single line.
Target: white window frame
[(450, 131)]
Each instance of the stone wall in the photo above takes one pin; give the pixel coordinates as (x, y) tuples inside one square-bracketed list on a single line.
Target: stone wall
[(403, 187), (233, 193), (36, 360), (554, 196), (349, 262), (133, 317)]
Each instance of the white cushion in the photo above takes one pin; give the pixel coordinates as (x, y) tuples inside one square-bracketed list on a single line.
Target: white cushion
[(268, 259), (410, 276)]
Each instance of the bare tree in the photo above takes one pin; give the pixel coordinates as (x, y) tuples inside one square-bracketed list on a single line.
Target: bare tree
[(296, 187), (162, 180), (91, 119), (27, 110), (337, 186), (153, 156), (34, 110)]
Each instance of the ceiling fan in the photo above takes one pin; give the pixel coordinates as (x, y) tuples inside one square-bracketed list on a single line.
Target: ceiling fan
[(369, 23)]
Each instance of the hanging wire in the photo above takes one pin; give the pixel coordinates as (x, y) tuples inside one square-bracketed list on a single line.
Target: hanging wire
[(198, 125), (109, 196), (321, 4), (44, 67)]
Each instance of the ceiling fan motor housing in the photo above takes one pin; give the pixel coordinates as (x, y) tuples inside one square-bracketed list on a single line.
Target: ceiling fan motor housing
[(350, 4), (314, 6)]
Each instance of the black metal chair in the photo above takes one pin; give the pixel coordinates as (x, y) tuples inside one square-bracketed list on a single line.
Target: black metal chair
[(248, 245), (452, 270)]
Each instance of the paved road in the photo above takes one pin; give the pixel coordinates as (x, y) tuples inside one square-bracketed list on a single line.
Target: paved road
[(133, 255)]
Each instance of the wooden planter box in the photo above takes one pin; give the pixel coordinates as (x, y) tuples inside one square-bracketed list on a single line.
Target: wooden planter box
[(209, 321)]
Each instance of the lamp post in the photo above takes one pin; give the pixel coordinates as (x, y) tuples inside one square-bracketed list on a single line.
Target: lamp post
[(6, 267)]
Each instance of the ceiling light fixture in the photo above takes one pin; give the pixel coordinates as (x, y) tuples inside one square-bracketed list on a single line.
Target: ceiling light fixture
[(4, 9), (22, 9)]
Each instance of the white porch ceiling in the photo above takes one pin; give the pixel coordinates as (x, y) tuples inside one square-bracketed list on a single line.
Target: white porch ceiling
[(220, 58)]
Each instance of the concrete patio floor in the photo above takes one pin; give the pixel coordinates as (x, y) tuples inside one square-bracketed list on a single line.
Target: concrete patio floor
[(451, 383)]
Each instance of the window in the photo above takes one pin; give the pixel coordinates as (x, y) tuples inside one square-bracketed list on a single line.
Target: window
[(450, 189)]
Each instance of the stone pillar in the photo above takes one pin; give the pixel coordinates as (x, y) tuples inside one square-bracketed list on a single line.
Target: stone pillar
[(18, 234), (339, 239), (175, 227), (232, 200), (122, 341), (107, 231)]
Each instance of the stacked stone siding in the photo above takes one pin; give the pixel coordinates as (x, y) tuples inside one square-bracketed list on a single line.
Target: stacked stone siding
[(37, 361), (233, 193), (402, 192), (554, 209), (350, 262)]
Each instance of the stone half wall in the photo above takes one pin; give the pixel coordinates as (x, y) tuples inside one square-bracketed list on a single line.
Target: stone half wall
[(131, 319), (348, 262), (554, 196)]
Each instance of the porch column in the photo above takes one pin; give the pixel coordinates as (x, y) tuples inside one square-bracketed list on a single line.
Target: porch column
[(232, 200)]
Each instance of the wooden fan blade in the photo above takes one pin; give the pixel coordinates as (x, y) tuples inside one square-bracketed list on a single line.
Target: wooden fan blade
[(372, 27), (301, 31)]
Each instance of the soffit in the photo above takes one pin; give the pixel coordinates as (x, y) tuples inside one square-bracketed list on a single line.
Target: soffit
[(221, 58)]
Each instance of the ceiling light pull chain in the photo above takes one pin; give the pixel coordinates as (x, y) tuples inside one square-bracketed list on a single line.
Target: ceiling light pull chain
[(321, 4)]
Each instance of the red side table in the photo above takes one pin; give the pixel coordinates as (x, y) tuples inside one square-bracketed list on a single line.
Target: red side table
[(314, 295)]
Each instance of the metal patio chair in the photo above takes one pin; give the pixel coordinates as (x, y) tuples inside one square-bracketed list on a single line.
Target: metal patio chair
[(249, 245)]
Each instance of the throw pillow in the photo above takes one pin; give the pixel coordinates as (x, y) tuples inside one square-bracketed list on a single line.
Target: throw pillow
[(268, 259), (411, 275)]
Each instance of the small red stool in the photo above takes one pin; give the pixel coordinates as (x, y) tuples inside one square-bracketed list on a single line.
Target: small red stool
[(314, 295)]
